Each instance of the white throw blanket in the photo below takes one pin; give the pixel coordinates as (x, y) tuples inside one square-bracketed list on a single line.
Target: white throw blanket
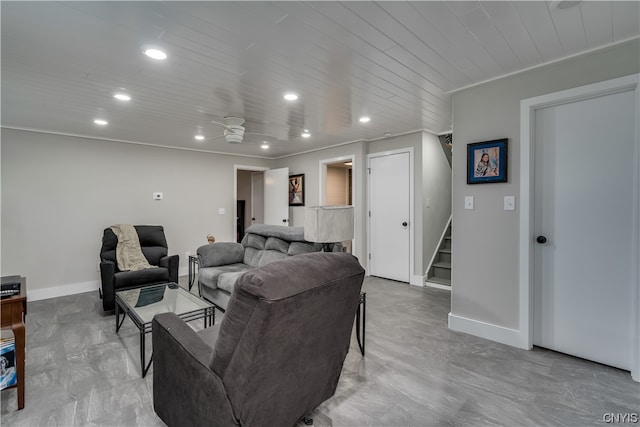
[(128, 251)]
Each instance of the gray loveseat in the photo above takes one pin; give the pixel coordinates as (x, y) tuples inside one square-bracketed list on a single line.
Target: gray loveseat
[(222, 263), (276, 355)]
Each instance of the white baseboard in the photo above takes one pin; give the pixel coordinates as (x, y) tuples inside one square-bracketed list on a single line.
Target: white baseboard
[(61, 291), (437, 285), (183, 271), (417, 281), (485, 330)]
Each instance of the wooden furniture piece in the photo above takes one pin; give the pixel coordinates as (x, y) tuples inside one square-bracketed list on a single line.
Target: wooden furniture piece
[(14, 309)]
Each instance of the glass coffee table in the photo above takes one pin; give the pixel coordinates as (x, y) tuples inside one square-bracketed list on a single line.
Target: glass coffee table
[(143, 303)]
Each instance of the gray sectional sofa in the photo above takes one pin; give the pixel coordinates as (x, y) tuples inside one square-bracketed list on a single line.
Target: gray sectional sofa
[(222, 263)]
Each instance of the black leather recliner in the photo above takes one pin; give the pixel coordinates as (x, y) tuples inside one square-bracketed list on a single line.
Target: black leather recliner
[(154, 248)]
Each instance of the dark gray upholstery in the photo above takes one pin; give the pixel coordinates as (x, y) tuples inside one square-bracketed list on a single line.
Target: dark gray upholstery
[(154, 247), (220, 262), (277, 354)]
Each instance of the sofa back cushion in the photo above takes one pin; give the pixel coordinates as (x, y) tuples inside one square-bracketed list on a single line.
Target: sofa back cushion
[(285, 335), (267, 243)]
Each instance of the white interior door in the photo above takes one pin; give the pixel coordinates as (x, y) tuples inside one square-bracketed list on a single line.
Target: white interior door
[(276, 196), (389, 222), (584, 166), (257, 198)]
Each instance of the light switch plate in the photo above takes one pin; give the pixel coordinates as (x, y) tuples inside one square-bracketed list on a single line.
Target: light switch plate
[(509, 203), (221, 211), (468, 202)]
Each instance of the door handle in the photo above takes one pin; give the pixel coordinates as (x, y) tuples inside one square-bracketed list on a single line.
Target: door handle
[(404, 224), (541, 239)]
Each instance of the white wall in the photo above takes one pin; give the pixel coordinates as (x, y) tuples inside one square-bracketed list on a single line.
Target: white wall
[(485, 240), (428, 157), (60, 192), (308, 164)]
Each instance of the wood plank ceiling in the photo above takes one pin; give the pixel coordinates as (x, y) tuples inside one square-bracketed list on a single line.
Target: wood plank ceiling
[(392, 61)]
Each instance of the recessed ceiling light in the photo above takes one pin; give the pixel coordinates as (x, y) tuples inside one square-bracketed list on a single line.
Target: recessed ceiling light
[(122, 97), (155, 54), (264, 146), (101, 122), (305, 134), (199, 137), (290, 96), (365, 119)]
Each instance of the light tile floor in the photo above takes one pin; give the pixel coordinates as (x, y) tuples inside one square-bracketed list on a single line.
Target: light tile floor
[(416, 372)]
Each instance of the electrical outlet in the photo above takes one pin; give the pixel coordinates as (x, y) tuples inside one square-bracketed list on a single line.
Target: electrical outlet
[(187, 255)]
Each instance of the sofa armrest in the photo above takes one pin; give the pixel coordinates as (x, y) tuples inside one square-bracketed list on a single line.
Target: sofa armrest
[(171, 263), (185, 389), (222, 253), (107, 277)]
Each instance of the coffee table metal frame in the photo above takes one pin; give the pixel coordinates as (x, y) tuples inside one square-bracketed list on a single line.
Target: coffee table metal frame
[(206, 313)]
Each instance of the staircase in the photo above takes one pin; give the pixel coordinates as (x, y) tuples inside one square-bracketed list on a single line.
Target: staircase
[(439, 275)]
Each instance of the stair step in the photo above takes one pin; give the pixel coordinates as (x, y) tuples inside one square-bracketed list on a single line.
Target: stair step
[(439, 280), (443, 265)]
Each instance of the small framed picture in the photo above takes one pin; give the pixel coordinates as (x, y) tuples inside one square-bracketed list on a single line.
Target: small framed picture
[(487, 162), (296, 190)]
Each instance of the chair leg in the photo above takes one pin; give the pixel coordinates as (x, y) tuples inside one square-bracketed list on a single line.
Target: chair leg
[(307, 420)]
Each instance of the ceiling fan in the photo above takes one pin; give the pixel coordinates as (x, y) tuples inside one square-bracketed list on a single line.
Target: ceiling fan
[(235, 132)]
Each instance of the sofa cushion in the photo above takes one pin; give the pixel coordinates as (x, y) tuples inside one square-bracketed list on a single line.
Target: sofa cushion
[(131, 279), (275, 244), (270, 256), (209, 276), (256, 241), (226, 281)]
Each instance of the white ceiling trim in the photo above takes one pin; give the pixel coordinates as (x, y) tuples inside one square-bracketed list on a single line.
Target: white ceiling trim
[(73, 135), (356, 141), (564, 58), (124, 141)]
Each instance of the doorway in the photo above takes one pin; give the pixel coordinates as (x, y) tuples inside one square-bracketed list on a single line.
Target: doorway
[(247, 182), (390, 191), (268, 191), (337, 187), (579, 223)]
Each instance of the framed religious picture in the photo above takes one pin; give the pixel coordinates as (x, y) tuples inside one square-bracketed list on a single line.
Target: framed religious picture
[(487, 162), (296, 190)]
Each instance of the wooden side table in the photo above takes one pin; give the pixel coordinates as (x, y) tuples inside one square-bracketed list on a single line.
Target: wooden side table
[(14, 309)]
